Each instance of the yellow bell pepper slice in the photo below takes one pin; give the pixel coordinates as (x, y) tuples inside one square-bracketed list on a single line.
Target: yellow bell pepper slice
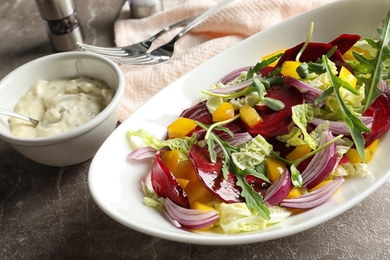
[(298, 152), (249, 116), (320, 185), (369, 151), (201, 206), (205, 208), (171, 159), (295, 192), (180, 127), (347, 76), (266, 57), (348, 55), (224, 111), (289, 68), (274, 168), (182, 182), (194, 189)]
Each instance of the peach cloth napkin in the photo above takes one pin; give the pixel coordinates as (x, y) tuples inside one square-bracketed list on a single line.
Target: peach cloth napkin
[(228, 26)]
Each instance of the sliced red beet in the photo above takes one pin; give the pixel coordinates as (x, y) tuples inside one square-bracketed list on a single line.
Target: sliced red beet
[(315, 50), (257, 184), (380, 109), (212, 178), (277, 123), (345, 42), (165, 184)]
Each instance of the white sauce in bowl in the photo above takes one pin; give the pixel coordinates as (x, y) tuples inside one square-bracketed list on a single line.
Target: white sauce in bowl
[(60, 105)]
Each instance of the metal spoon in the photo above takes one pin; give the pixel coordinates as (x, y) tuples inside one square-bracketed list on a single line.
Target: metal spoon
[(13, 114)]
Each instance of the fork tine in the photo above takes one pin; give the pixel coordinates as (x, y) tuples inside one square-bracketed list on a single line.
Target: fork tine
[(117, 51), (133, 62), (136, 61), (92, 47)]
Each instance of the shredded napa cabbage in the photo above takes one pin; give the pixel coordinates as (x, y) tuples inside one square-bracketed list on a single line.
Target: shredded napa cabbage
[(302, 115), (251, 99), (293, 138), (213, 103), (351, 169), (182, 144), (252, 153), (237, 217), (298, 135)]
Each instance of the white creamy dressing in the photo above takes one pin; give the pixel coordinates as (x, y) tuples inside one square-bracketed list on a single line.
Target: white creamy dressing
[(60, 105)]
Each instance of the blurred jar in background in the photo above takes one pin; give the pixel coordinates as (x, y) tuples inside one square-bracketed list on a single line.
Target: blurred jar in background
[(63, 26)]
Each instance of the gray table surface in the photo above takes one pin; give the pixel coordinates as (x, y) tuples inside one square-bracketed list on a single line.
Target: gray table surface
[(48, 213)]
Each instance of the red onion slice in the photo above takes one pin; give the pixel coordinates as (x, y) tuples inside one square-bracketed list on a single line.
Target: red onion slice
[(233, 75), (190, 218), (340, 127), (234, 87), (142, 153), (301, 85), (322, 163), (314, 198), (279, 189)]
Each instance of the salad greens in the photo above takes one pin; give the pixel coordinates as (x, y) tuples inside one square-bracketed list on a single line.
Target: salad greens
[(253, 199), (375, 66), (249, 164)]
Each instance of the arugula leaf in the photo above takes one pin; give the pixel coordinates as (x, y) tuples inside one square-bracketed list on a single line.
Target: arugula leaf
[(211, 148), (259, 172), (261, 65), (374, 65), (354, 124), (329, 91), (252, 198)]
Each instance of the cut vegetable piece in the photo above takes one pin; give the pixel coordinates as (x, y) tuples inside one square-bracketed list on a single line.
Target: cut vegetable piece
[(234, 74), (380, 109), (249, 116), (165, 184), (276, 123), (289, 68), (279, 190), (315, 50), (194, 189), (171, 159), (347, 76), (181, 127), (198, 112), (345, 41), (369, 151), (298, 152), (190, 218), (322, 163), (223, 112), (295, 192), (274, 168), (314, 198), (211, 176)]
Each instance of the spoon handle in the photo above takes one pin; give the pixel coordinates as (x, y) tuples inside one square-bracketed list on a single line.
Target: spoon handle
[(13, 114)]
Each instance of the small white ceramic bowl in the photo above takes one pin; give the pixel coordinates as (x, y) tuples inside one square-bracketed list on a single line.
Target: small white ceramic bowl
[(79, 144)]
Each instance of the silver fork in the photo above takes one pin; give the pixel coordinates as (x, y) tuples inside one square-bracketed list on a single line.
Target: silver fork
[(164, 52), (134, 49)]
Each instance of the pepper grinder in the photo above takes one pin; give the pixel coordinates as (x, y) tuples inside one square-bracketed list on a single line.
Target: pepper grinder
[(144, 8), (63, 26)]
